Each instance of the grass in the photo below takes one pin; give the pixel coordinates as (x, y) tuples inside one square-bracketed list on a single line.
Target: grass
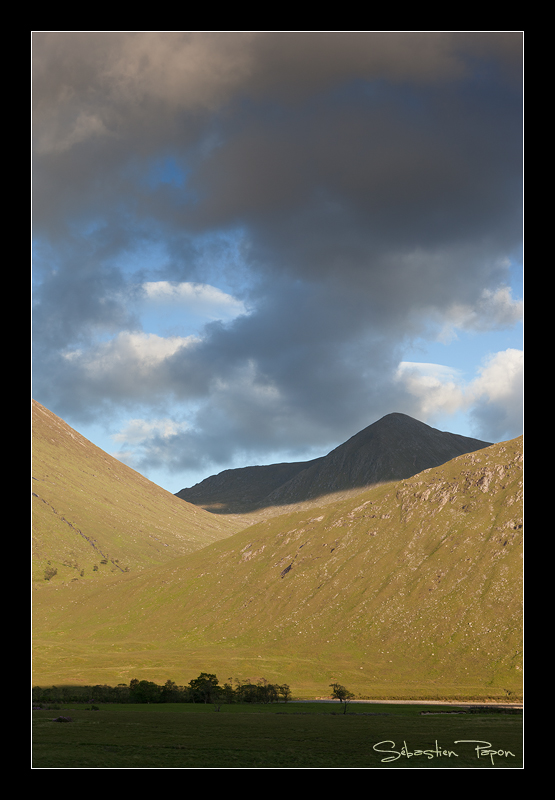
[(292, 736)]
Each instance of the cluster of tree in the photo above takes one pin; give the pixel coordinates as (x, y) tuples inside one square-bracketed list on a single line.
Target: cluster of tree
[(204, 689)]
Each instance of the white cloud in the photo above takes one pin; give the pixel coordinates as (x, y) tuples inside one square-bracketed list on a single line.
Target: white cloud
[(501, 377), (437, 387), (199, 298), (141, 351), (129, 365), (494, 311), (138, 430), (494, 399), (497, 395)]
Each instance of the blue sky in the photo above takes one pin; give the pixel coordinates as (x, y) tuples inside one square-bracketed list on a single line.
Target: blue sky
[(248, 246)]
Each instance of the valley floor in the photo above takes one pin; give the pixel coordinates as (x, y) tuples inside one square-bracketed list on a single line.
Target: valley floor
[(280, 736)]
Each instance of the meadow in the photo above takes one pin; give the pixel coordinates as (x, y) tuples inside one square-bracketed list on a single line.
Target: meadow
[(295, 735)]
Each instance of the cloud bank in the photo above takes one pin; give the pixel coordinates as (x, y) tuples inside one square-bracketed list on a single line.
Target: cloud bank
[(312, 202)]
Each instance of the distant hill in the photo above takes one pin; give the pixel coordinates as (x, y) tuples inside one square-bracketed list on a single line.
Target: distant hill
[(410, 589), (395, 447), (94, 516)]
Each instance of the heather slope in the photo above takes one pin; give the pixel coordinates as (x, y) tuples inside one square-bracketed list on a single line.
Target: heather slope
[(93, 516), (410, 589)]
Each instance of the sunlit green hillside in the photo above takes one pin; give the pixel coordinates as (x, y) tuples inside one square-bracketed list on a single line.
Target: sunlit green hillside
[(409, 589), (94, 517)]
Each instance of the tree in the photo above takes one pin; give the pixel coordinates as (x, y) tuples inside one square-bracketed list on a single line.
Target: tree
[(205, 686), (228, 692), (169, 692), (246, 692), (285, 692), (342, 694), (144, 691), (266, 692)]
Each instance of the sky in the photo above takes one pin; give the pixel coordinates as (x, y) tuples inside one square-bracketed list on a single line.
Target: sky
[(248, 246)]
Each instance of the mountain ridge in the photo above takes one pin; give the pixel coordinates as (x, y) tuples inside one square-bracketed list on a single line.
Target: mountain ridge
[(393, 448), (410, 589)]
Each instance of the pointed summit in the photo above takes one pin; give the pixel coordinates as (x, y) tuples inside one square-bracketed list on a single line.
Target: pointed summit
[(393, 448)]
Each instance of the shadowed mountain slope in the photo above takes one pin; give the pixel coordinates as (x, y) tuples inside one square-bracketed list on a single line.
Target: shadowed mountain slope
[(244, 489), (410, 589), (395, 447), (94, 516)]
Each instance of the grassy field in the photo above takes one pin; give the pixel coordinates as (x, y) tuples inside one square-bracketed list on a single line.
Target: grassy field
[(281, 736)]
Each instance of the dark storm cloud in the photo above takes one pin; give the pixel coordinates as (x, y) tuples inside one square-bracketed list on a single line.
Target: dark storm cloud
[(372, 114), (372, 179), (411, 167)]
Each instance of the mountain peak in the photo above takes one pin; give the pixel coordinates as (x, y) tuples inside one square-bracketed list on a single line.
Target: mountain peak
[(394, 447)]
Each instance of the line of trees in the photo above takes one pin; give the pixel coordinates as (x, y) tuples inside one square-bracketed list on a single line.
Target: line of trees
[(204, 689)]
